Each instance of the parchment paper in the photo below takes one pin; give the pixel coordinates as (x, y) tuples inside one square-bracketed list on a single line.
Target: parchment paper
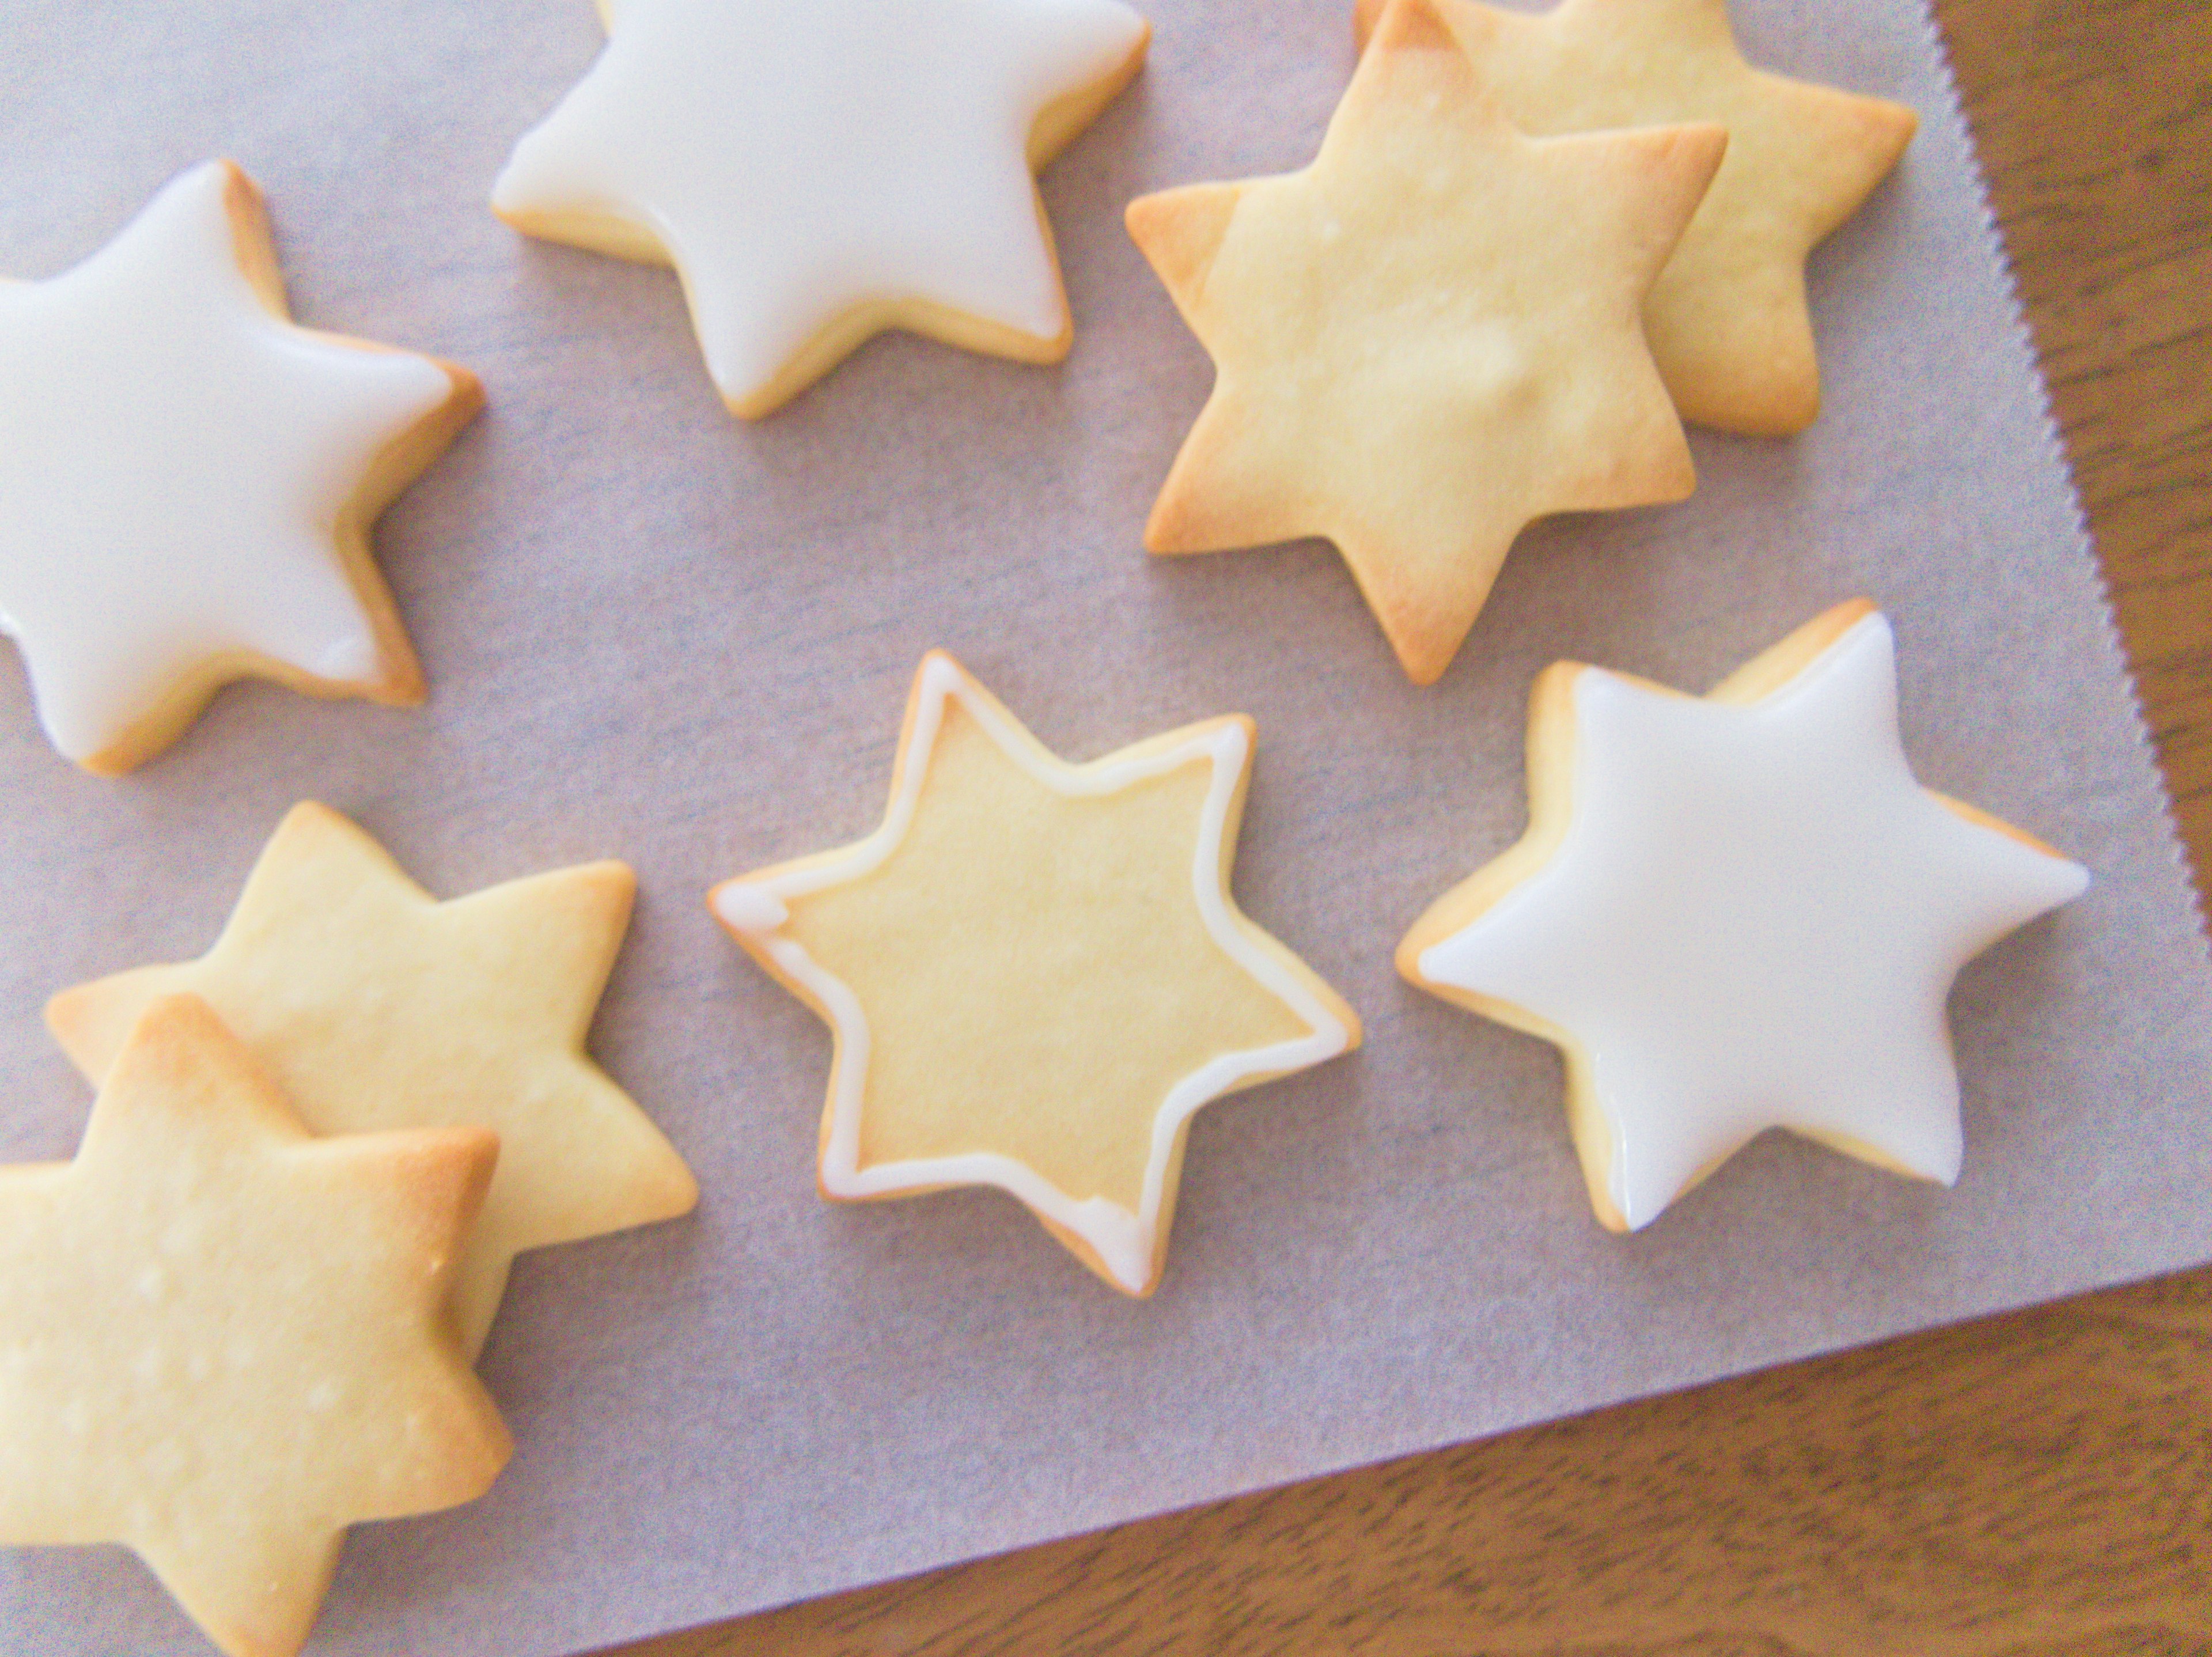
[(655, 633)]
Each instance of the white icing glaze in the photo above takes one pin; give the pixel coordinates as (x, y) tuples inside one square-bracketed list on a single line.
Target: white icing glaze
[(1753, 919), (799, 158), (1125, 1241), (172, 460)]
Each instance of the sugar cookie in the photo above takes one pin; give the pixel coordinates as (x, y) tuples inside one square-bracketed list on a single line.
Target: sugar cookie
[(376, 1006), (1035, 972), (818, 171), (221, 1342), (1727, 318), (187, 479), (1429, 338), (1737, 912)]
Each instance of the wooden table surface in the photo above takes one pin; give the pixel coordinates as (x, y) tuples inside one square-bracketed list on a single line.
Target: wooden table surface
[(2037, 1483)]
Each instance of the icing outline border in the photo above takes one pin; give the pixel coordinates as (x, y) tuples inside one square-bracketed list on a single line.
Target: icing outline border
[(1125, 1243)]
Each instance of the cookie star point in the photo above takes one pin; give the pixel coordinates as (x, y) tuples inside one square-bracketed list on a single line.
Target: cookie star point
[(187, 479), (474, 1010), (1035, 972), (1428, 338), (819, 174), (230, 1339), (1728, 319), (1735, 912)]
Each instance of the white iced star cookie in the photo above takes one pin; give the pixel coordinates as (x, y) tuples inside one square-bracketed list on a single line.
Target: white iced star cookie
[(187, 479), (1737, 912), (818, 171), (1036, 973)]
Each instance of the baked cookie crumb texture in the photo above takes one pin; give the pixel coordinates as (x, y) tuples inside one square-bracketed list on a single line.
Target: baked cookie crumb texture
[(377, 1007), (1728, 318), (222, 1341), (1428, 338)]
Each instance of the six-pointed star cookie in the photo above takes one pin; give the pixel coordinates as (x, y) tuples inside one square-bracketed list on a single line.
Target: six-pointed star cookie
[(376, 1006), (1429, 338), (187, 479), (1737, 912), (221, 1342), (818, 171), (1035, 972), (1727, 318)]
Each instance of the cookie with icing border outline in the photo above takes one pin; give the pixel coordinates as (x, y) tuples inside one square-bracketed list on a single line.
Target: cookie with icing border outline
[(1125, 1245)]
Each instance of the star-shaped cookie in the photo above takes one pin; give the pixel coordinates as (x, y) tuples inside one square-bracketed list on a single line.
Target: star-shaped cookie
[(1036, 973), (376, 1007), (818, 171), (1727, 318), (1737, 912), (222, 1341), (1431, 336), (187, 479)]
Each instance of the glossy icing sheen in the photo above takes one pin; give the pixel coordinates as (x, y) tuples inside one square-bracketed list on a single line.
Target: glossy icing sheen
[(1753, 919), (1124, 1241), (172, 461), (796, 158)]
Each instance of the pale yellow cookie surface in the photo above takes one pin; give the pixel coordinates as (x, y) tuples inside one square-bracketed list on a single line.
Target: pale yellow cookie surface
[(377, 1007), (1428, 338), (1036, 973), (1728, 318), (221, 1342)]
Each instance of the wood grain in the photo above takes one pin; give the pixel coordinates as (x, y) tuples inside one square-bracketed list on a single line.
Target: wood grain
[(2035, 1484)]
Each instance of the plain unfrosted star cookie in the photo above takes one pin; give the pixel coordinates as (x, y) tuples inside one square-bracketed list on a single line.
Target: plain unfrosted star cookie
[(1735, 912), (1728, 318), (1035, 972), (818, 171), (223, 1341), (187, 479), (376, 1007), (1427, 339)]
